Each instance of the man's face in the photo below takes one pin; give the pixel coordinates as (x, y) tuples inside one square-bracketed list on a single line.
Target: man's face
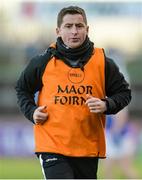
[(73, 30)]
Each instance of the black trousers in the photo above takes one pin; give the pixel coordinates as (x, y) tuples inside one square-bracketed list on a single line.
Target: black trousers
[(57, 166)]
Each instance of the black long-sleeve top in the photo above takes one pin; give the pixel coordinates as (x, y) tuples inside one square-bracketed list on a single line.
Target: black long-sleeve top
[(118, 93)]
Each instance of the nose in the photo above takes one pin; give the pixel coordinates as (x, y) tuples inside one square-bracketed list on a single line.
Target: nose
[(74, 30)]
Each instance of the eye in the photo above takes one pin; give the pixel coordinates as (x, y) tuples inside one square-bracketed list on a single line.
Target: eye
[(80, 26), (68, 26)]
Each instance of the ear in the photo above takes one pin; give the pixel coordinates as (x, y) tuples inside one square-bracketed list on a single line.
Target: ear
[(87, 30), (58, 31)]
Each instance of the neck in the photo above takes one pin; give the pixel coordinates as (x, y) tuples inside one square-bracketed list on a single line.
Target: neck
[(74, 55)]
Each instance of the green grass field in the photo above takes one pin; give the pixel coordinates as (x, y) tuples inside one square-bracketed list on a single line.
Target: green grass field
[(17, 168), (117, 171), (29, 168)]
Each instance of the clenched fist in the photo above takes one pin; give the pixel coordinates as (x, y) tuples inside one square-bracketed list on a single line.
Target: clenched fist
[(40, 115), (95, 105)]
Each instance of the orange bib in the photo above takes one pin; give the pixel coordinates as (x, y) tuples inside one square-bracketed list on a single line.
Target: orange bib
[(71, 129)]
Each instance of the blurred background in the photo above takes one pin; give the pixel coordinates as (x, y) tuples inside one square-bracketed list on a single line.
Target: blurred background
[(26, 29)]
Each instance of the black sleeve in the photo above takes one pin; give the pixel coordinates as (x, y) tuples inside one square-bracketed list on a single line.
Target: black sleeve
[(29, 83), (117, 89)]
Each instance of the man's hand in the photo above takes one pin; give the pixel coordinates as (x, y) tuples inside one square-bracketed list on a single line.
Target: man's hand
[(40, 115), (95, 105)]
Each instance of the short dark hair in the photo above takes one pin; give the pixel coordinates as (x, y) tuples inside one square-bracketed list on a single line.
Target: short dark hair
[(70, 10)]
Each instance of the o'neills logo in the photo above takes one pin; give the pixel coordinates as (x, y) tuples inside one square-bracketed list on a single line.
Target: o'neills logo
[(76, 75)]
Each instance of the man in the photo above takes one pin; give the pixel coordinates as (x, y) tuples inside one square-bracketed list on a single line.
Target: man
[(77, 86)]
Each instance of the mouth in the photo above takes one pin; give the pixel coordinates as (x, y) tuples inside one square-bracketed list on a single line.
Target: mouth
[(74, 39)]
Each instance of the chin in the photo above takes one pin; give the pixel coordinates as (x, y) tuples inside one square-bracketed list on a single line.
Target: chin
[(74, 45)]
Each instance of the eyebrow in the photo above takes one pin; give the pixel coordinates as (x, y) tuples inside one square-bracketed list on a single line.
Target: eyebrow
[(75, 24)]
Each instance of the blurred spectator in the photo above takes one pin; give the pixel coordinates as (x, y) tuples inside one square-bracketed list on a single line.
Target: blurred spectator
[(121, 135), (122, 143)]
